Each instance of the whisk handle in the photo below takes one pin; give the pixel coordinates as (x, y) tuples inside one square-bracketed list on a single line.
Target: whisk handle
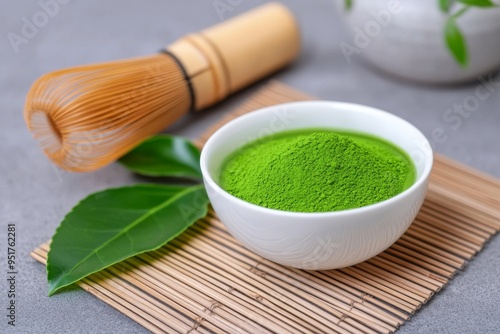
[(229, 56)]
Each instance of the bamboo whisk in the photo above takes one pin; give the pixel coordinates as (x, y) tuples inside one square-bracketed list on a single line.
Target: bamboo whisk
[(86, 117)]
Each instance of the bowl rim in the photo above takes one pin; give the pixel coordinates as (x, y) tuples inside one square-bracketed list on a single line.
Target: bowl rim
[(207, 177)]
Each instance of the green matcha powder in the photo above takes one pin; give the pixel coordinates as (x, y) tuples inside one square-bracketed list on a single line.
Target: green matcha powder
[(317, 171)]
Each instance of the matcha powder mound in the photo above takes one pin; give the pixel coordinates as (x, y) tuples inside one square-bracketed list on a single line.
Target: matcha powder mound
[(316, 172)]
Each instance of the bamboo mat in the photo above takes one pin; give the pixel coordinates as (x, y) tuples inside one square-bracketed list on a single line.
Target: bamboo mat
[(205, 281)]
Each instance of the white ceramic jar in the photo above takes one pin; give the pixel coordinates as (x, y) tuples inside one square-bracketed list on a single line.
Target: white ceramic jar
[(406, 38)]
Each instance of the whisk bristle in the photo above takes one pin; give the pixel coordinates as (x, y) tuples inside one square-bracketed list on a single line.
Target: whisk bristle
[(86, 117)]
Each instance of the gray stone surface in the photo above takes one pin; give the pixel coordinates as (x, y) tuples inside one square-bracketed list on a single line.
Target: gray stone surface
[(35, 197)]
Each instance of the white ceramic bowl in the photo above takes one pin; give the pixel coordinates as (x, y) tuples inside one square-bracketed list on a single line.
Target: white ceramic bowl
[(317, 240)]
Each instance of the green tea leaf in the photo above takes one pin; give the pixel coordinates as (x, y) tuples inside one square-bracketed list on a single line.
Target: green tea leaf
[(164, 155), (478, 3), (112, 225), (347, 4), (444, 5), (456, 42)]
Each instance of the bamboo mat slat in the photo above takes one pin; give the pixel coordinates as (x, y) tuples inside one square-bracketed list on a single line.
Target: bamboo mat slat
[(206, 282)]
